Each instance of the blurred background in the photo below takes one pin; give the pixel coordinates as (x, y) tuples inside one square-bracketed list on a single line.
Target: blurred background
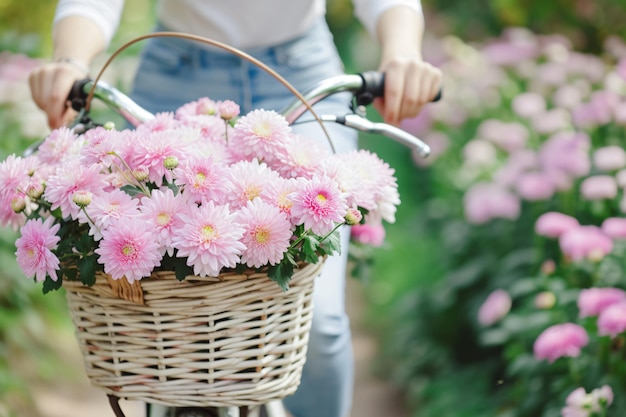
[(533, 93)]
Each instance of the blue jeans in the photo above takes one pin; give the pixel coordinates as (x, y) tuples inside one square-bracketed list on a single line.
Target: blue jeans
[(173, 72)]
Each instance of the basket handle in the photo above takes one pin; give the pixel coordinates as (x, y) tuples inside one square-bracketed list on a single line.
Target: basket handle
[(217, 44)]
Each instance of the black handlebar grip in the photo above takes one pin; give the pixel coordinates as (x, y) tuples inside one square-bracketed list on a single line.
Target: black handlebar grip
[(374, 86), (77, 96)]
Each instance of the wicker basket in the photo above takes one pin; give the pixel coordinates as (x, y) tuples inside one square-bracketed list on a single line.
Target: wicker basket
[(236, 340)]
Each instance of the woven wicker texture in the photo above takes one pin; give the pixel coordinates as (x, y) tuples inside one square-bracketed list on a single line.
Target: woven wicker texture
[(233, 341)]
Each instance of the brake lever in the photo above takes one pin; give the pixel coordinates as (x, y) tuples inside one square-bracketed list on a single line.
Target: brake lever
[(363, 124)]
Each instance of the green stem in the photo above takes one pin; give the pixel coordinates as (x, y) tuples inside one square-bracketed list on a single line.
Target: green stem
[(138, 183), (91, 220)]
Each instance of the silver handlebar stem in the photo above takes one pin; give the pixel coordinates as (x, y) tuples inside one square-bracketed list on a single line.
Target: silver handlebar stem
[(337, 84), (120, 103)]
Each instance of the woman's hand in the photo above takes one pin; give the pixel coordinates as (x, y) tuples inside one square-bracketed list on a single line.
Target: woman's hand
[(410, 83), (50, 85)]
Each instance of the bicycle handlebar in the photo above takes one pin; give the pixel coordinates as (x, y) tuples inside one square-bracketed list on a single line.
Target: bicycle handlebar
[(364, 87)]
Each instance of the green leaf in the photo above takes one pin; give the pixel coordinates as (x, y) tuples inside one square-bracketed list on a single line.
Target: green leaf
[(281, 274), (50, 285), (310, 246), (87, 269), (131, 190), (181, 270), (332, 244)]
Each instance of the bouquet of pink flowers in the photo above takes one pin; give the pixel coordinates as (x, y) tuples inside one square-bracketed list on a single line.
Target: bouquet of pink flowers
[(195, 191)]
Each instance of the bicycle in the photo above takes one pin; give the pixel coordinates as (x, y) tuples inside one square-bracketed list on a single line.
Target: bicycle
[(364, 87)]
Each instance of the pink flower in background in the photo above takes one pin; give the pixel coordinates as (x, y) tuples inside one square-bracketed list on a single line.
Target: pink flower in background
[(585, 242), (529, 104), (419, 125), (553, 224), (620, 69), (486, 201), (612, 320), (567, 152), (372, 234), (34, 249), (535, 186), (439, 142), (494, 308), (567, 96), (609, 158), (579, 403), (129, 249), (210, 239), (599, 187), (551, 121), (267, 233), (619, 113), (545, 300), (319, 204), (614, 227), (559, 341), (592, 301), (507, 53), (520, 161), (479, 153), (508, 136)]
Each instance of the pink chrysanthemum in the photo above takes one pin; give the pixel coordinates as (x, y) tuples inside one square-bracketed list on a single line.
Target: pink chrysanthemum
[(202, 106), (261, 134), (161, 211), (15, 173), (277, 193), (209, 238), (150, 150), (129, 248), (300, 157), (267, 233), (68, 179), (105, 209), (319, 205), (248, 180), (100, 146), (34, 249), (203, 179), (61, 142), (161, 122)]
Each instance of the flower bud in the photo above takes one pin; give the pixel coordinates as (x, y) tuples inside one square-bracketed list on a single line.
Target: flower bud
[(34, 190), (170, 162), (82, 198), (228, 110), (353, 217), (545, 300), (18, 204), (548, 267), (141, 174), (109, 125)]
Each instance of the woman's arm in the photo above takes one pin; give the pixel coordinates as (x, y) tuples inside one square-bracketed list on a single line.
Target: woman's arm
[(82, 30), (409, 81)]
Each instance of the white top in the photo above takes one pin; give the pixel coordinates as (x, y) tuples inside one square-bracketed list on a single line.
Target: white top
[(234, 22)]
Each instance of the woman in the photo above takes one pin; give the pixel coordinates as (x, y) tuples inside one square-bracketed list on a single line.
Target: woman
[(292, 37)]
